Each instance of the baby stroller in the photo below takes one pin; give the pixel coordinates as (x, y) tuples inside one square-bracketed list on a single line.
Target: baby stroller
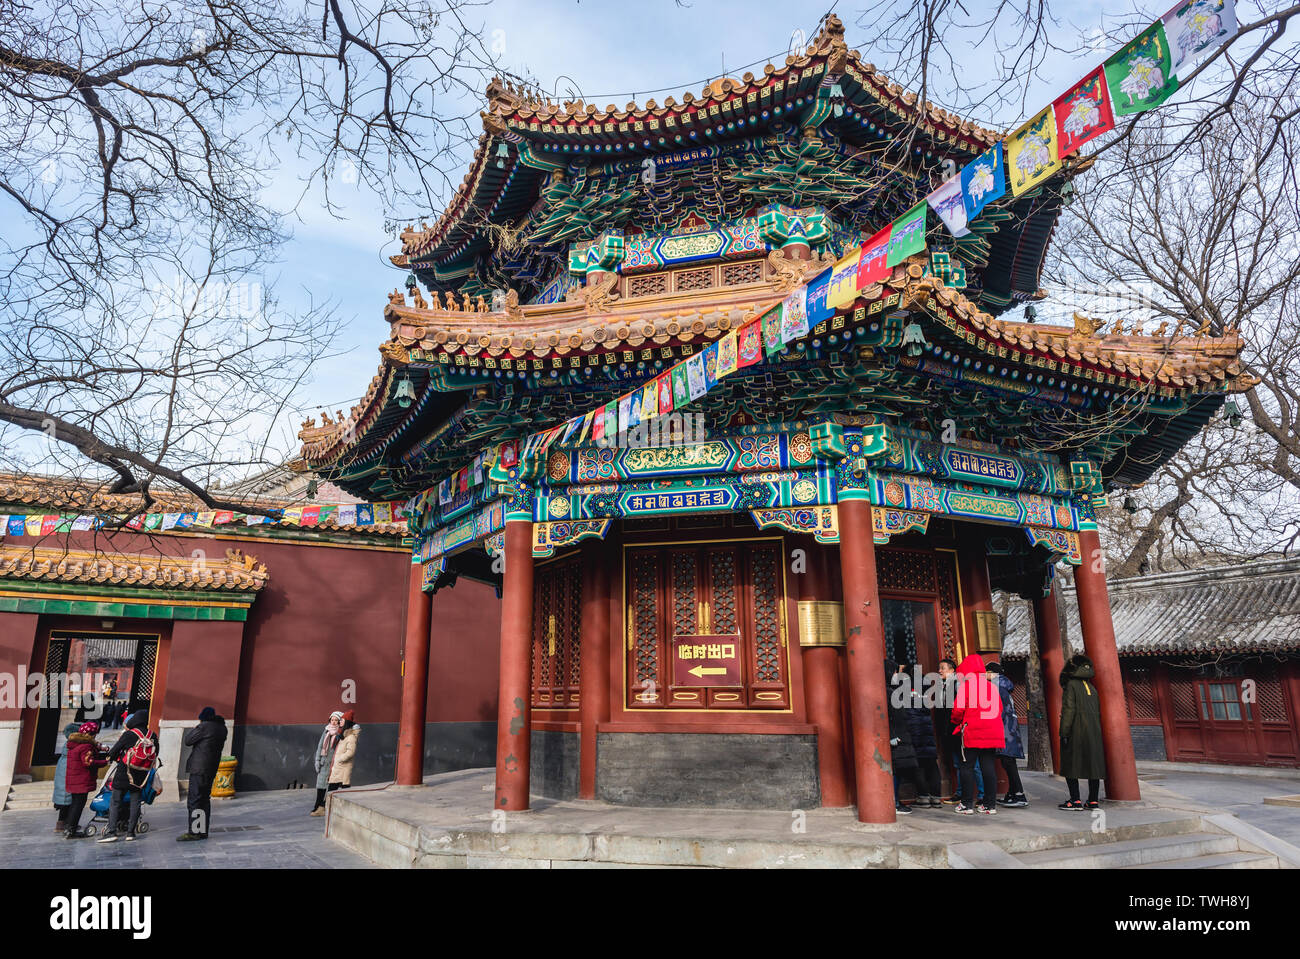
[(99, 805)]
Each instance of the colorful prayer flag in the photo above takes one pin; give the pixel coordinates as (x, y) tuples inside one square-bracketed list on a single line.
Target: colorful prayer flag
[(598, 426), (310, 515), (383, 512), (664, 383), (772, 330), (186, 520), (205, 518), (1195, 26), (695, 379), (711, 365), (907, 235), (365, 514), (681, 389), (223, 517), (82, 523), (650, 399), (843, 287), (1082, 113), (817, 292), (1031, 152), (347, 515), (750, 344), (611, 419), (1141, 75), (170, 520), (794, 315), (625, 412), (49, 524), (727, 354), (983, 180), (950, 203), (872, 263), (510, 453), (17, 525), (293, 515)]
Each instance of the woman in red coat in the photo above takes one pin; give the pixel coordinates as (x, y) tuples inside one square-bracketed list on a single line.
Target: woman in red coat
[(83, 760), (977, 722)]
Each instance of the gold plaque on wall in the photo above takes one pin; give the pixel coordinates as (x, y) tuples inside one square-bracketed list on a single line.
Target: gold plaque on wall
[(988, 631), (821, 623)]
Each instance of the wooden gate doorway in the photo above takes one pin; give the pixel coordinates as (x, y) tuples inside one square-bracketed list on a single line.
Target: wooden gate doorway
[(88, 660)]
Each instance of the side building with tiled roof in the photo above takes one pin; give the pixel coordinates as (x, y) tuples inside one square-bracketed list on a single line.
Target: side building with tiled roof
[(274, 625), (1210, 659)]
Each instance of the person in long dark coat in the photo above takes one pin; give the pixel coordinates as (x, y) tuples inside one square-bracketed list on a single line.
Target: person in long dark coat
[(902, 753), (1082, 752), (921, 729), (205, 741)]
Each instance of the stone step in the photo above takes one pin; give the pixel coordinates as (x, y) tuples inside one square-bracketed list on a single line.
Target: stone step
[(1131, 852), (1222, 860), (31, 795)]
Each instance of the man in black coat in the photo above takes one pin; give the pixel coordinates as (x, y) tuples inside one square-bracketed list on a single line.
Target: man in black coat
[(205, 741)]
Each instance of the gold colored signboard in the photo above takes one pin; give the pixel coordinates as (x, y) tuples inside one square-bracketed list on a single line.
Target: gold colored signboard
[(821, 623)]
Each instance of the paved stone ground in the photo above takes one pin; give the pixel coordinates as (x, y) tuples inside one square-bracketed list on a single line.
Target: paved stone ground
[(261, 830), (1238, 793)]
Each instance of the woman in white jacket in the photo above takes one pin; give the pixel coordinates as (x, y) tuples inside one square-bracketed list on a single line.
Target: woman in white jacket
[(344, 753), (324, 759)]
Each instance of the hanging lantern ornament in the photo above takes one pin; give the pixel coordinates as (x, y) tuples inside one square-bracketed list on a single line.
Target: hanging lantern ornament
[(837, 99), (405, 392), (503, 154), (1031, 313), (1130, 506), (411, 281)]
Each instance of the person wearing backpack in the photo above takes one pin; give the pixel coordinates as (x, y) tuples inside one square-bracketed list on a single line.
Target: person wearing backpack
[(136, 753), (205, 741)]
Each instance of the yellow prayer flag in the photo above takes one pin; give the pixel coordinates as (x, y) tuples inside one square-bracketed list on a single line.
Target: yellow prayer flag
[(843, 288), (728, 354), (206, 518), (293, 515), (1031, 152), (383, 512), (649, 401)]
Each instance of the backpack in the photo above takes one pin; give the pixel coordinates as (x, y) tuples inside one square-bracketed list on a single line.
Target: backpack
[(143, 754)]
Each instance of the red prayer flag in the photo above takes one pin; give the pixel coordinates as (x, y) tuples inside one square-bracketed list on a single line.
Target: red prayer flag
[(750, 344), (310, 516), (873, 263), (49, 524), (664, 384), (1083, 112)]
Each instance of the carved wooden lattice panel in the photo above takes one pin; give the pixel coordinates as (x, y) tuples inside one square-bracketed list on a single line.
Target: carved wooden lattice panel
[(1270, 702), (1140, 693), (685, 600), (557, 629), (1182, 695), (575, 629), (701, 279), (652, 284), (722, 576), (767, 616), (738, 274), (932, 573), (144, 673), (905, 569), (645, 616)]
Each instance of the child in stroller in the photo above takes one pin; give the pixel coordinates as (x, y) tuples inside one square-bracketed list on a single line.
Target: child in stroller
[(99, 805)]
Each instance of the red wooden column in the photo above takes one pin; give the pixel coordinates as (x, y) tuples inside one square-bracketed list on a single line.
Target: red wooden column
[(865, 644), (593, 680), (1099, 643), (1051, 658), (821, 680), (976, 591), (514, 725), (415, 681)]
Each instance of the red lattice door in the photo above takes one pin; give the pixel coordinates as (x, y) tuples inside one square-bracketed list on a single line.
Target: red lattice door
[(715, 593), (557, 624)]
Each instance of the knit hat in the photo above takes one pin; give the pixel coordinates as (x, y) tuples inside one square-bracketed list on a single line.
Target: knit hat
[(90, 727), (348, 716), (994, 668), (336, 715), (207, 713)]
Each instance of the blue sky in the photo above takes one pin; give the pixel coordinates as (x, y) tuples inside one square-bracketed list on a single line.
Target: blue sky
[(611, 51)]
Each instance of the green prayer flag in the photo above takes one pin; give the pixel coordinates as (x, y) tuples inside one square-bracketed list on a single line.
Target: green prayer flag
[(907, 236), (1140, 76)]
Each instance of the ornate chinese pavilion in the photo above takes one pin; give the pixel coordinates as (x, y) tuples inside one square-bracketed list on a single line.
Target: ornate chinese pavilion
[(703, 618)]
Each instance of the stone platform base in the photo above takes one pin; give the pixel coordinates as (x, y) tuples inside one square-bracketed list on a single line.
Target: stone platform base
[(449, 823)]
